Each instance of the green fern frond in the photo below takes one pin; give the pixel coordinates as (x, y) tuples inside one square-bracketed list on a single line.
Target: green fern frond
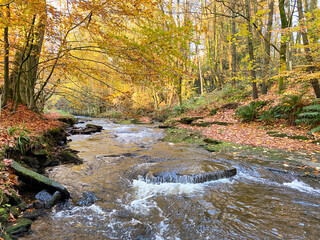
[(315, 107), (316, 129)]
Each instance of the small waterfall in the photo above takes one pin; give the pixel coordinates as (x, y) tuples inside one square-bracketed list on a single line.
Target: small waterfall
[(172, 177)]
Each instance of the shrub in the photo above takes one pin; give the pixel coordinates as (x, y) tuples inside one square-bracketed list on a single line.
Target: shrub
[(178, 110), (250, 112), (21, 137)]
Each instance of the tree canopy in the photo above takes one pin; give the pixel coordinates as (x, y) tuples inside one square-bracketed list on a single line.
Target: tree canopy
[(131, 54)]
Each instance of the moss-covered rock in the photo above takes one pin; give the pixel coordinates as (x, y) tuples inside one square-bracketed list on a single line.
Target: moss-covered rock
[(201, 124), (34, 178), (21, 226), (7, 237), (189, 120), (70, 120), (68, 156), (211, 141)]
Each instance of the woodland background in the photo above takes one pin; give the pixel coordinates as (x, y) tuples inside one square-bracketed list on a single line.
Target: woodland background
[(129, 57)]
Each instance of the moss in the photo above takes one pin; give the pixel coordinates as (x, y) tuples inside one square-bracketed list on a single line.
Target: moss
[(298, 137), (14, 211), (280, 135), (222, 123), (272, 132), (37, 179), (22, 206), (183, 135), (4, 218), (2, 211), (202, 124)]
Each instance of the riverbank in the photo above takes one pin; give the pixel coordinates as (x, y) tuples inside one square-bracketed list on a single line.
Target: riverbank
[(276, 145), (32, 140)]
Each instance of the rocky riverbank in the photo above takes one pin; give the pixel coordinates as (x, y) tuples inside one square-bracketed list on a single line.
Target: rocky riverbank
[(29, 143)]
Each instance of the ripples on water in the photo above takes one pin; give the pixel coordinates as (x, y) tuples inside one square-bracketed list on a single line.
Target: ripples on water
[(255, 204)]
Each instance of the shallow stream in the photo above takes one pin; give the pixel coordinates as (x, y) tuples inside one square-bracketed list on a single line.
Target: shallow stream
[(111, 201)]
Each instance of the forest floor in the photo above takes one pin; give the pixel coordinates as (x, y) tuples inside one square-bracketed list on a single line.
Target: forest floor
[(23, 121), (290, 145)]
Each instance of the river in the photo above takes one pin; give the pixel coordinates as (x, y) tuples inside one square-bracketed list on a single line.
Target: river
[(112, 201)]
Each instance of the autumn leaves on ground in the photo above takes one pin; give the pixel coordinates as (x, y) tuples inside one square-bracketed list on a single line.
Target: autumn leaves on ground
[(23, 119)]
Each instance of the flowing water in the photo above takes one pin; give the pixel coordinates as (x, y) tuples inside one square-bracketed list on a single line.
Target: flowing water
[(111, 200)]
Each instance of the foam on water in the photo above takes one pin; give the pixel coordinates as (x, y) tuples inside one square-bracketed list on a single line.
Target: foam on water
[(295, 184), (144, 189), (302, 187), (143, 135), (90, 213)]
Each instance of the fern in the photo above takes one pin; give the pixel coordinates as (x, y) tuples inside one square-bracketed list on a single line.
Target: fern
[(250, 112), (310, 115)]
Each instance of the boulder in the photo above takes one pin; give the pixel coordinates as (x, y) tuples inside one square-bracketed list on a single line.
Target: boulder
[(43, 196), (34, 178)]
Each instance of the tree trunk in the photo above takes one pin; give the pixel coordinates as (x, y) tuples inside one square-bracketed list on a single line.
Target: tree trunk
[(234, 51), (307, 51), (267, 48), (251, 53), (6, 62), (283, 45)]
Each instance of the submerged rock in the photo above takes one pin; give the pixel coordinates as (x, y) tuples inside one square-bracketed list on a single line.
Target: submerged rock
[(87, 199), (172, 177)]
